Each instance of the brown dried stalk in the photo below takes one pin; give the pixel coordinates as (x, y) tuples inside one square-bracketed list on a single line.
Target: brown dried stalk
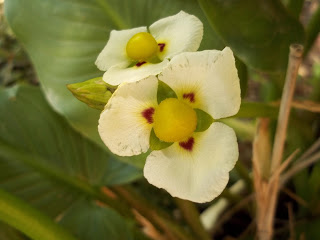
[(267, 180)]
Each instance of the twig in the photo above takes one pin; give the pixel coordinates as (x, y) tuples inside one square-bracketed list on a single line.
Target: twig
[(228, 214), (295, 58), (284, 165), (192, 217), (152, 213), (295, 197), (212, 214), (309, 151), (306, 105), (299, 166), (291, 222)]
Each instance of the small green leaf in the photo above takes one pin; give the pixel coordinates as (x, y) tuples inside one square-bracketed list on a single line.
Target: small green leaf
[(94, 92), (204, 120), (164, 91), (156, 143)]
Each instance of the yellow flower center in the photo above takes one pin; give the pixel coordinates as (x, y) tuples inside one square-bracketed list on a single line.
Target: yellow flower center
[(142, 46), (174, 120)]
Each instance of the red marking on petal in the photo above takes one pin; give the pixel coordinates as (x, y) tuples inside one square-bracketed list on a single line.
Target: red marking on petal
[(161, 46), (189, 96), (140, 63), (148, 114), (188, 145)]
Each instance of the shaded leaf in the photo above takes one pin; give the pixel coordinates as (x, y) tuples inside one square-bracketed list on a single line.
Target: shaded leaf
[(89, 221), (9, 233), (29, 220), (44, 161), (259, 32)]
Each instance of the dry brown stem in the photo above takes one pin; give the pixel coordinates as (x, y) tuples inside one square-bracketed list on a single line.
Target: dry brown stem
[(295, 58), (267, 189)]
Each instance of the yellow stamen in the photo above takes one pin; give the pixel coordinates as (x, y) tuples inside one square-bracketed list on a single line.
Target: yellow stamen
[(142, 46), (174, 120)]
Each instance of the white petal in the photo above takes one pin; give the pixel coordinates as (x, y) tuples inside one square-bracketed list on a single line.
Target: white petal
[(181, 33), (211, 76), (120, 73), (199, 175), (122, 126), (115, 50)]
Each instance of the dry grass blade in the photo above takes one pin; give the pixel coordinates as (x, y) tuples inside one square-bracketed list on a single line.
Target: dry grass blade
[(300, 166), (307, 105), (284, 165)]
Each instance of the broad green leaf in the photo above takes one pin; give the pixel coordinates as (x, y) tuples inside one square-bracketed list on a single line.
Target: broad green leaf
[(258, 31), (64, 39), (44, 161), (294, 7), (9, 233), (164, 92), (88, 221), (156, 143), (30, 221)]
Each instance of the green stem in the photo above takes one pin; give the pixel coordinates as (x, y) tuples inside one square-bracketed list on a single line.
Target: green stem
[(244, 174), (245, 130), (30, 221), (152, 213), (192, 217), (231, 197), (256, 109), (37, 163), (312, 30)]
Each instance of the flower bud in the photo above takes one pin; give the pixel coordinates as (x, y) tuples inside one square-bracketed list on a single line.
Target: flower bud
[(94, 92)]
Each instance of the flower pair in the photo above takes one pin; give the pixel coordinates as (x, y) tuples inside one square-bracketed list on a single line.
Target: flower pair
[(171, 104)]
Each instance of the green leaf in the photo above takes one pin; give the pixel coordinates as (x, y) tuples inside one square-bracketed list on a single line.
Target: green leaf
[(156, 143), (204, 120), (243, 75), (258, 31), (94, 92), (89, 221), (9, 233), (294, 7), (47, 163), (164, 92), (64, 39), (30, 221)]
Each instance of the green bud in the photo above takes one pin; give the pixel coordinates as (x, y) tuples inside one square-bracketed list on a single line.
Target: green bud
[(94, 92)]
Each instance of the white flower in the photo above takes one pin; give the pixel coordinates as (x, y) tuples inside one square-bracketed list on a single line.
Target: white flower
[(133, 54), (196, 166)]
